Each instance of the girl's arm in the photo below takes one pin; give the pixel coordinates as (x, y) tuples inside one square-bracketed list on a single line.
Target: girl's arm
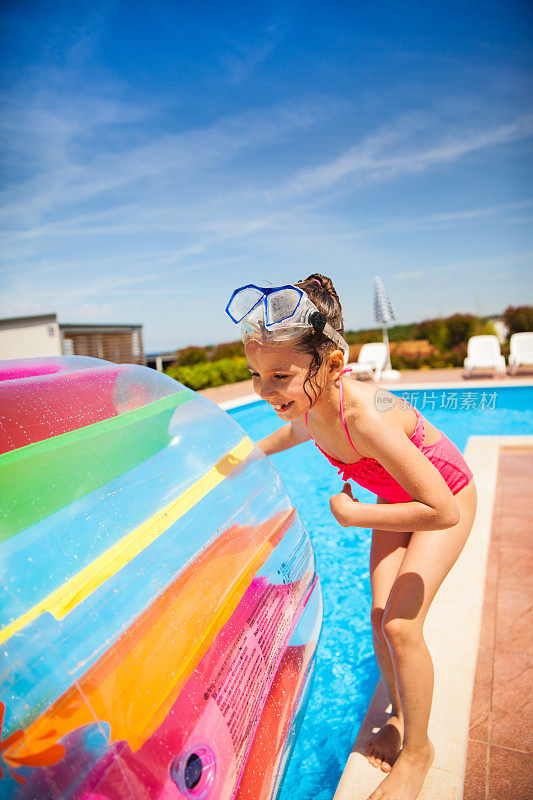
[(410, 516), (281, 439), (433, 506)]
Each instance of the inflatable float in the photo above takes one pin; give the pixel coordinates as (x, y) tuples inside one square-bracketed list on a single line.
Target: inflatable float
[(160, 607)]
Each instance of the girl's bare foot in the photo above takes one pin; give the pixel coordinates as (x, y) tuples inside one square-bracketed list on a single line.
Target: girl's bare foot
[(382, 750), (406, 777)]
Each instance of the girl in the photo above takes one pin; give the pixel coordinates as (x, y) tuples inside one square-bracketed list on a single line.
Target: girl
[(426, 497)]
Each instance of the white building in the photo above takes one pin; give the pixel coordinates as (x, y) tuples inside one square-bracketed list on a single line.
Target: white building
[(43, 335)]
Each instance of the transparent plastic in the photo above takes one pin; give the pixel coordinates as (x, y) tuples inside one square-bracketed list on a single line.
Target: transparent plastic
[(160, 608)]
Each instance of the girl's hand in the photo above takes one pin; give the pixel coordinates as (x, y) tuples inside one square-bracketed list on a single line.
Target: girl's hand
[(342, 506)]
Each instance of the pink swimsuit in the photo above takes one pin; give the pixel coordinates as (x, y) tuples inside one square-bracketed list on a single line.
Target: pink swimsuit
[(369, 473)]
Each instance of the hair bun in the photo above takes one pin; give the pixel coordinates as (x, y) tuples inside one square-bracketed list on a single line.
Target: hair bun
[(319, 288), (326, 284)]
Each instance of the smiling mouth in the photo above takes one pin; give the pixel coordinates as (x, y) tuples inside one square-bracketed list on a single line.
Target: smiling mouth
[(283, 406)]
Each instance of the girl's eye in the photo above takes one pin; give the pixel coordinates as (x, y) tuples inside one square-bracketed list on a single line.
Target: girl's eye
[(281, 377), (254, 374)]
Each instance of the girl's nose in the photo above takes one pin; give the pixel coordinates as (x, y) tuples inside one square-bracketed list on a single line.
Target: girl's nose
[(267, 391)]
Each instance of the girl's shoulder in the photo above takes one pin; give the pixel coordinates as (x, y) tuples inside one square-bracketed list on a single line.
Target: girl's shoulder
[(367, 404), (362, 398)]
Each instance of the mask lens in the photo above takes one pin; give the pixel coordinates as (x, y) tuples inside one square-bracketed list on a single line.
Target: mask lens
[(281, 305), (243, 301)]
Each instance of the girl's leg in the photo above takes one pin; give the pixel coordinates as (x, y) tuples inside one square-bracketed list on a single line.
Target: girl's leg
[(386, 555), (429, 557)]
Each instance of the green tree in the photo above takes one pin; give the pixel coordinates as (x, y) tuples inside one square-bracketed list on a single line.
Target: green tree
[(518, 318)]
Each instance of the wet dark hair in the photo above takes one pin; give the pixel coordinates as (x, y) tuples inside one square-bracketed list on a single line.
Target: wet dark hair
[(321, 292)]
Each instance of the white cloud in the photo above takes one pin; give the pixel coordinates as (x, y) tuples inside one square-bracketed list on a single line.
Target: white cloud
[(388, 153), (108, 224), (504, 263), (70, 167)]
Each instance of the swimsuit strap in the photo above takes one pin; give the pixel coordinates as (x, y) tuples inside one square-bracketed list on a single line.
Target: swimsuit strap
[(342, 415), (417, 436)]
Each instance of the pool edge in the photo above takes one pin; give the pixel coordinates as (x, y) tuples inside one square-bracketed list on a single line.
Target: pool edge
[(250, 399), (452, 631)]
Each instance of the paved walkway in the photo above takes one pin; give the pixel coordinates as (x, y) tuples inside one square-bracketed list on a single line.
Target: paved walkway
[(500, 759)]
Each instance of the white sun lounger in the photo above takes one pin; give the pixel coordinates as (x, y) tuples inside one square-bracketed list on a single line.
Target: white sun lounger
[(372, 360), (484, 353), (521, 354)]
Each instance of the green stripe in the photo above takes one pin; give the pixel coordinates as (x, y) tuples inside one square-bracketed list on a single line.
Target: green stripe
[(40, 478), (97, 428)]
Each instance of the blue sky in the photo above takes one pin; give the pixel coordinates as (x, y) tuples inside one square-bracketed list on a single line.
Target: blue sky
[(158, 154)]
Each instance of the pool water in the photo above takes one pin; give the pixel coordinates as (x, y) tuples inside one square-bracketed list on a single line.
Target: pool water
[(346, 671)]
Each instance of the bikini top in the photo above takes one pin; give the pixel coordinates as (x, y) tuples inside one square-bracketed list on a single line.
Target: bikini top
[(366, 467)]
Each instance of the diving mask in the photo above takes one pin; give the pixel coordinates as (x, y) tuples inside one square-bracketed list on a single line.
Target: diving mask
[(278, 313)]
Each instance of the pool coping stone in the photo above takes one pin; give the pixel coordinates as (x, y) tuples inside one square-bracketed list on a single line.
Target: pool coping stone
[(248, 399)]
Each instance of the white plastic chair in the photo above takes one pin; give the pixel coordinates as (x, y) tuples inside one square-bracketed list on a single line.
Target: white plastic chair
[(372, 360), (483, 352), (521, 354)]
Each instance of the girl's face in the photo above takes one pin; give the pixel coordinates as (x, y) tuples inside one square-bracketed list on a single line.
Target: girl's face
[(278, 375)]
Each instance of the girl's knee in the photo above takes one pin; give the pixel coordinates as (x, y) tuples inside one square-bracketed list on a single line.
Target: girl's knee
[(376, 618), (401, 632)]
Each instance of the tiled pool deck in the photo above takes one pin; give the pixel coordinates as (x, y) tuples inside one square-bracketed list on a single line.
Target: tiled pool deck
[(499, 762), (481, 718)]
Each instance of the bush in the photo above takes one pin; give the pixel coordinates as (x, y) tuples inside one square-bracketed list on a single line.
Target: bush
[(460, 328), (232, 370), (191, 355), (397, 333), (362, 337), (401, 333), (435, 330), (457, 355), (228, 350), (411, 349), (484, 328), (215, 373), (417, 361), (403, 359), (448, 332), (518, 318)]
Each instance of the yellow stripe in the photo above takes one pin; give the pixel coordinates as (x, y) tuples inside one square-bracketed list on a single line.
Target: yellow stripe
[(80, 586)]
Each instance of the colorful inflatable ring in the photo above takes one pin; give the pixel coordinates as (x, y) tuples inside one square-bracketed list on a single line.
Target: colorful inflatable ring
[(160, 607)]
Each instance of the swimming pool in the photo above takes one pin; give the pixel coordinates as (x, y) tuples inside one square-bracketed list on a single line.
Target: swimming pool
[(346, 672)]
